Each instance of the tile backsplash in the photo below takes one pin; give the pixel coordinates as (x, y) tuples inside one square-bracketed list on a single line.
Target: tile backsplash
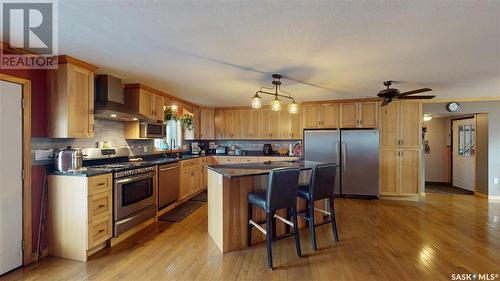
[(104, 130)]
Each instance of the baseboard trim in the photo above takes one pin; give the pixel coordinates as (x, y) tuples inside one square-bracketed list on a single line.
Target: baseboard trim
[(400, 198), (489, 197)]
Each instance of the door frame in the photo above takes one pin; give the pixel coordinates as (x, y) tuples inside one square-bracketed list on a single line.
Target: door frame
[(26, 159), (452, 150)]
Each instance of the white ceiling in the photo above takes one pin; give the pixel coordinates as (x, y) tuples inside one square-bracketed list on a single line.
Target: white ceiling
[(219, 53)]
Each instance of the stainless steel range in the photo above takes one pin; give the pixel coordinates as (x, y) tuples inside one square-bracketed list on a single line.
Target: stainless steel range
[(134, 192)]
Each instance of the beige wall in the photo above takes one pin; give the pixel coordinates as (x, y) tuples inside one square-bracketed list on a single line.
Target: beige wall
[(436, 167)]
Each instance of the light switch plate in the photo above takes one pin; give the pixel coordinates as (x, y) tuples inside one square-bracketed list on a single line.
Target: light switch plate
[(495, 180)]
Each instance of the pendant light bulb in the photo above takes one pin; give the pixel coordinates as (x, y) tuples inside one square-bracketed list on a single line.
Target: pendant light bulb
[(293, 108), (276, 104), (256, 101)]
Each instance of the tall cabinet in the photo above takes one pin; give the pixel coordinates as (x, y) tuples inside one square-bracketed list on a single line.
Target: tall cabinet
[(71, 99), (400, 148)]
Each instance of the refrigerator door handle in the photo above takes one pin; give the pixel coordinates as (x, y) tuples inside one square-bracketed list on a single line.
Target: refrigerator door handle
[(344, 155)]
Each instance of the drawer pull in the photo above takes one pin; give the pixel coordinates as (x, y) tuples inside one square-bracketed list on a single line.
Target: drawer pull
[(102, 205), (101, 230), (101, 184)]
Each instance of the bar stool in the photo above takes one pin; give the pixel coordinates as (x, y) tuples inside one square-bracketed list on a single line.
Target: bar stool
[(281, 194), (320, 187)]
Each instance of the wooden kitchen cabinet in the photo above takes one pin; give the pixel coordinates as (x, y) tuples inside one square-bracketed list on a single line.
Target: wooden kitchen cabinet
[(79, 218), (311, 116), (191, 177), (291, 125), (143, 100), (270, 124), (401, 124), (320, 115), (400, 148), (207, 123), (228, 124), (250, 123), (359, 115), (399, 170), (71, 99)]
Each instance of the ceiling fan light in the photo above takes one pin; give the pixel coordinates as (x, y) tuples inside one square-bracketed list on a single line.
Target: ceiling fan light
[(276, 104), (256, 101), (427, 118), (293, 108)]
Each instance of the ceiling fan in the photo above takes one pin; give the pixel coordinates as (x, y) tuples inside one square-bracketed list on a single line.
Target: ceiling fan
[(391, 93)]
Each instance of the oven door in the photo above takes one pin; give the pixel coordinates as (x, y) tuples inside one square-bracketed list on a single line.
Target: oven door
[(133, 194)]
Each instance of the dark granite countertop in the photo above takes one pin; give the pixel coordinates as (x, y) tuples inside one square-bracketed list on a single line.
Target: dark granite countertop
[(149, 160), (85, 172), (256, 169)]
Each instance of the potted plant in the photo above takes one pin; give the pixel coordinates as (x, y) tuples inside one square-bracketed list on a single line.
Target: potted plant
[(187, 121)]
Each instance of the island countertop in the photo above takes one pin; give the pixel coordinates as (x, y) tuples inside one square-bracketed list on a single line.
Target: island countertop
[(255, 169)]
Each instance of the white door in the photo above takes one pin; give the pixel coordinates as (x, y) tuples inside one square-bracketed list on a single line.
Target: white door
[(11, 204), (464, 141)]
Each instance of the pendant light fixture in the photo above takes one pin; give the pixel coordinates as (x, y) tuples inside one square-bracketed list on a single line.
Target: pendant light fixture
[(293, 108)]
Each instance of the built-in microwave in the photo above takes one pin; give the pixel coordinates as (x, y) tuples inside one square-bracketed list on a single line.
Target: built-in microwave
[(152, 130)]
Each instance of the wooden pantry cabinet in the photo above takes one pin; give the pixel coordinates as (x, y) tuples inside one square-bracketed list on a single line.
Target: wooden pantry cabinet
[(359, 114), (145, 101), (70, 101), (80, 213), (400, 148), (316, 115)]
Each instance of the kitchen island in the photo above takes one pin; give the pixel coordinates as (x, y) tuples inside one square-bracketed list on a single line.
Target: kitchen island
[(228, 186)]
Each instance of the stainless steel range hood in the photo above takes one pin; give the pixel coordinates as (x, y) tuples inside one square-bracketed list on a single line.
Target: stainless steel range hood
[(110, 100)]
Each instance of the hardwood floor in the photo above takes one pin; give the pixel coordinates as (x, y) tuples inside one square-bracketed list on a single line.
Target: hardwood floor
[(380, 240)]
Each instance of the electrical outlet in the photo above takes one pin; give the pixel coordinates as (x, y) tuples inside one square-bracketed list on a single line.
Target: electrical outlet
[(145, 149), (44, 154), (495, 180)]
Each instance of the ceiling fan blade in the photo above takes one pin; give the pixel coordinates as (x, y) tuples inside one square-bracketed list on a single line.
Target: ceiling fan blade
[(423, 90), (385, 102), (416, 97)]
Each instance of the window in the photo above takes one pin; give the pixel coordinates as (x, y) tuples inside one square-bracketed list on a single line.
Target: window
[(466, 140), (174, 135)]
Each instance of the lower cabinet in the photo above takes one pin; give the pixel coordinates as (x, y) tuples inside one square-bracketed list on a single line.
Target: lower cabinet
[(79, 215), (191, 177), (399, 172)]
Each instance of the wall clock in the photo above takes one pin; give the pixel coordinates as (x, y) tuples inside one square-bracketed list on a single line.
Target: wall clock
[(453, 107)]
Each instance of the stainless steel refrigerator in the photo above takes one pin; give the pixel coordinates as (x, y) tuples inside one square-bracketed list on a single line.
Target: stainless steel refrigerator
[(357, 153)]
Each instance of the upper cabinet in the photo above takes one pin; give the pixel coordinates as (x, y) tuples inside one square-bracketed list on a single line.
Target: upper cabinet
[(251, 120), (228, 124), (71, 99), (291, 125), (316, 115), (400, 124), (270, 124), (145, 101), (207, 123), (359, 114)]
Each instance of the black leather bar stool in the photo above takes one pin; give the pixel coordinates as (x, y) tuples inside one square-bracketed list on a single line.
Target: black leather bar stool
[(320, 187), (281, 194)]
